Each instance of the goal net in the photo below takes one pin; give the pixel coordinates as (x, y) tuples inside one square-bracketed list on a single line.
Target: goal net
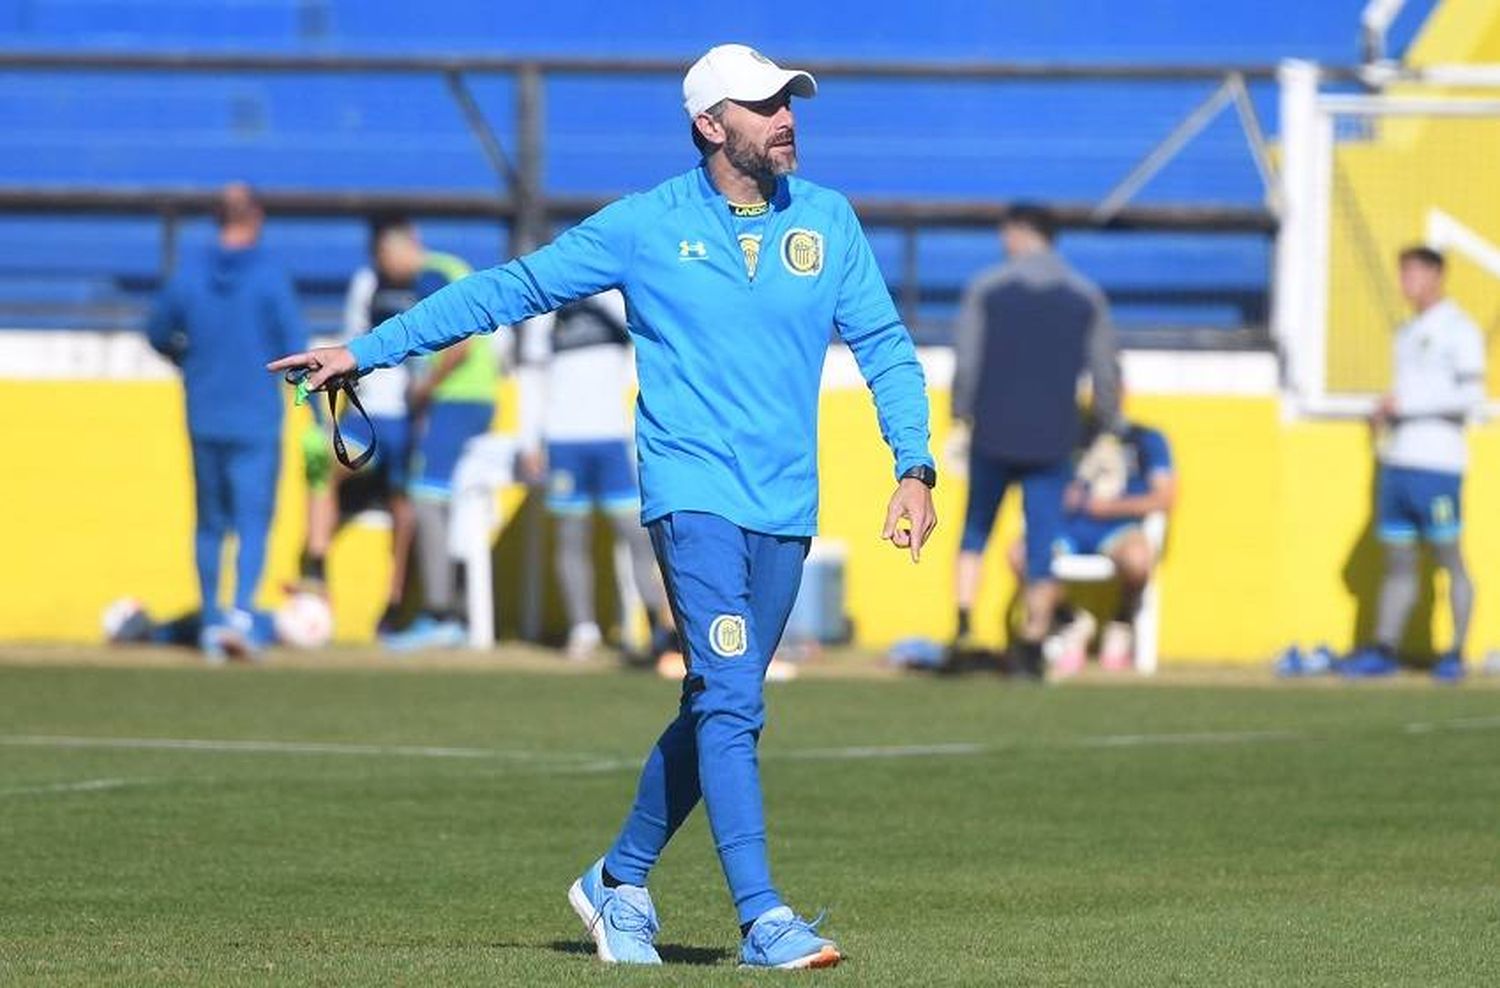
[(1365, 176)]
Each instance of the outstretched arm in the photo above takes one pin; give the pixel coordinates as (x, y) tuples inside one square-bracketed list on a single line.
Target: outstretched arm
[(588, 258)]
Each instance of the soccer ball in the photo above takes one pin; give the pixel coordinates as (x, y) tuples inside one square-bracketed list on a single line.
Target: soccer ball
[(304, 621)]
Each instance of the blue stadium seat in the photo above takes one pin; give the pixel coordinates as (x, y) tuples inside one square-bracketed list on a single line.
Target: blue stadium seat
[(1058, 141)]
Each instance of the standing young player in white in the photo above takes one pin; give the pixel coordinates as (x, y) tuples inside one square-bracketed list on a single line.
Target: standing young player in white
[(1439, 382), (733, 272)]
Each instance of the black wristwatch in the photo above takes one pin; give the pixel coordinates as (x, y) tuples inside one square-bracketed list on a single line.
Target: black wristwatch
[(924, 473)]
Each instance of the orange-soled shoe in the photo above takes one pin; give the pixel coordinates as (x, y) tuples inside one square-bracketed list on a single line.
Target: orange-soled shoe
[(783, 940)]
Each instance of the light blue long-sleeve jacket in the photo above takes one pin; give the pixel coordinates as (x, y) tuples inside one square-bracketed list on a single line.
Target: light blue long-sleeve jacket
[(729, 365)]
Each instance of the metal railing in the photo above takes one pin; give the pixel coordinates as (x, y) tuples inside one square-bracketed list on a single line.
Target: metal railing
[(524, 206)]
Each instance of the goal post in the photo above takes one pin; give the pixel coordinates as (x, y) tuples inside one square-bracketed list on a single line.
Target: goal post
[(1364, 175)]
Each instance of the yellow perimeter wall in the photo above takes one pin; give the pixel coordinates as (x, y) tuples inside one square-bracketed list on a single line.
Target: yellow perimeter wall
[(98, 505)]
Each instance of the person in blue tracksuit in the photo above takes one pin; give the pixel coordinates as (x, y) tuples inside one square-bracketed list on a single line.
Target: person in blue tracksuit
[(219, 316), (734, 274)]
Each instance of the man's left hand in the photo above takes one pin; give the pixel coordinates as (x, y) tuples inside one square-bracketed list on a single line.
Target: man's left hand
[(913, 502)]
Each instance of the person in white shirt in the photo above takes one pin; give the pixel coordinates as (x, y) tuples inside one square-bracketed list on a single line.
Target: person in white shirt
[(1439, 381), (575, 378)]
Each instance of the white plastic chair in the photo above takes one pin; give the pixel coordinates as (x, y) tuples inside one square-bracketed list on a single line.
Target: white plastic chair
[(487, 465), (1101, 569)]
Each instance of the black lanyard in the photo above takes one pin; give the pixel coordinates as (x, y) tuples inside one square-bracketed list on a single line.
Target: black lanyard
[(347, 384)]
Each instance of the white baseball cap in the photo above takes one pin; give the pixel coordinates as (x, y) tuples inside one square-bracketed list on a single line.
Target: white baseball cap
[(739, 72)]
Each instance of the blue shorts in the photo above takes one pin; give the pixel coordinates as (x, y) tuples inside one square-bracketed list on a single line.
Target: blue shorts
[(392, 446), (1083, 535), (1418, 504), (1042, 485), (449, 427), (581, 475)]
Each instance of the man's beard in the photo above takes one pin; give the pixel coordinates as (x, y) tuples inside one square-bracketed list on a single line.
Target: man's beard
[(756, 162)]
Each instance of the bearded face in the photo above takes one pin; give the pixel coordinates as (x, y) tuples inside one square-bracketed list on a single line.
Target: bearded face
[(760, 139), (761, 152)]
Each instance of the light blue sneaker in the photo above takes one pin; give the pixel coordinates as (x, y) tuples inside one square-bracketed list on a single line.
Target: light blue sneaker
[(781, 939), (621, 920), (425, 632)]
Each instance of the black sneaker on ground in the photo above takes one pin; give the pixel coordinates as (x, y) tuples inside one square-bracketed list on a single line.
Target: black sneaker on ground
[(390, 620), (964, 656), (1027, 661)]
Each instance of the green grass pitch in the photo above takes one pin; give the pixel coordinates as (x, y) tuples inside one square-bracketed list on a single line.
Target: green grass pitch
[(385, 826)]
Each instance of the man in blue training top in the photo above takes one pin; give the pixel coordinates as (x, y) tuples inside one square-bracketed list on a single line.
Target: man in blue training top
[(733, 272), (221, 314)]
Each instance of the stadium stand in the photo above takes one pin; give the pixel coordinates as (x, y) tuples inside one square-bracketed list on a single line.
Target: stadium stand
[(1062, 141)]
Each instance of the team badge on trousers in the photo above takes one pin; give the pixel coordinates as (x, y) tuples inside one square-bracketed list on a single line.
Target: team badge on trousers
[(802, 251), (727, 636)]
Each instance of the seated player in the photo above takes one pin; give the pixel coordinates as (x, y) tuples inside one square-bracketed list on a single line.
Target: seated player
[(1105, 511)]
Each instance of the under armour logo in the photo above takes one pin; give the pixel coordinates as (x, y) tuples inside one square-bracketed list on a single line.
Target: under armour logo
[(692, 250)]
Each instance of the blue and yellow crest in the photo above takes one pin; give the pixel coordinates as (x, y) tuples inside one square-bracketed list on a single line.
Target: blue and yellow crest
[(727, 635), (802, 251)]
